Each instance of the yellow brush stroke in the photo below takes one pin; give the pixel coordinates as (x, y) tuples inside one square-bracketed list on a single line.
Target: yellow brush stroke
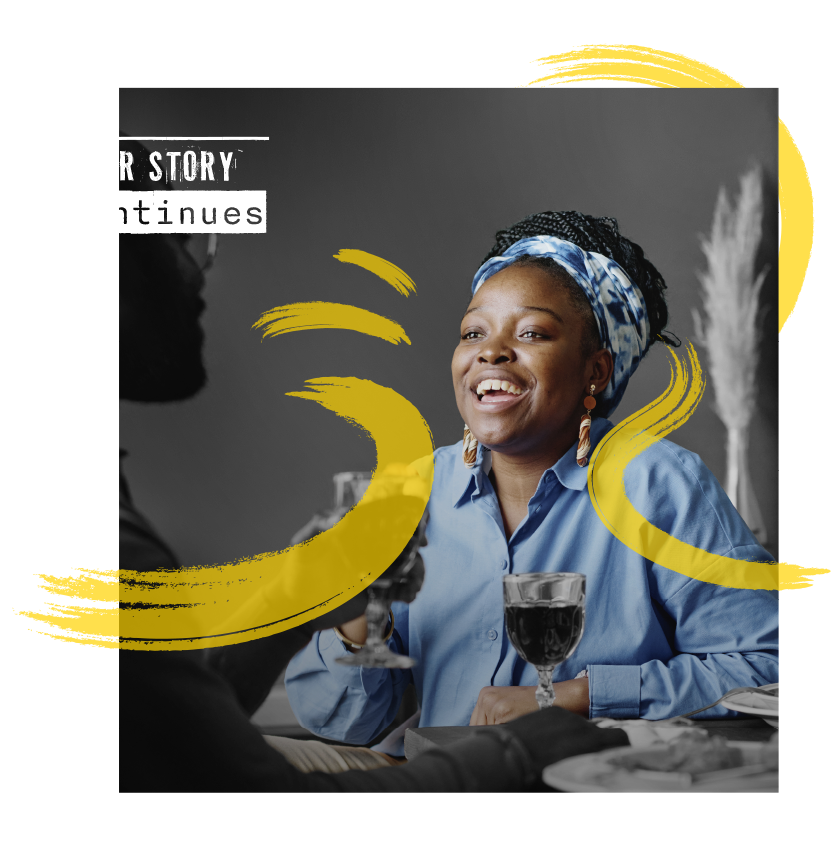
[(634, 63), (796, 202), (274, 591), (626, 441), (381, 268), (310, 315), (89, 584)]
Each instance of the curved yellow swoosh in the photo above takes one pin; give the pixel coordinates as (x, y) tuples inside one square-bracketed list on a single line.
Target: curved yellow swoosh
[(638, 64), (381, 268), (312, 315), (629, 439), (253, 597)]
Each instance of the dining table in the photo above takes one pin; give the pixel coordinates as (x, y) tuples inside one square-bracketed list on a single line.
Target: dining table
[(742, 729)]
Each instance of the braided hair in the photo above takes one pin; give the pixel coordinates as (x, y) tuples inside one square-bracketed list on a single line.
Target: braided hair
[(601, 236)]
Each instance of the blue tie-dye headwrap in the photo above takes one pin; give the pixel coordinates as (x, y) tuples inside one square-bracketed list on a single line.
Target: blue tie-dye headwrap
[(618, 304)]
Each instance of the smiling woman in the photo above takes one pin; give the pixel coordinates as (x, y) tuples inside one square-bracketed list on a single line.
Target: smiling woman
[(564, 308)]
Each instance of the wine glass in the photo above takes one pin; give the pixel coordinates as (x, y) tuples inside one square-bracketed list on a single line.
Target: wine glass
[(544, 617), (349, 489)]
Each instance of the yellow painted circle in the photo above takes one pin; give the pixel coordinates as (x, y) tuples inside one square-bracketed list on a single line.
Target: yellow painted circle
[(633, 63)]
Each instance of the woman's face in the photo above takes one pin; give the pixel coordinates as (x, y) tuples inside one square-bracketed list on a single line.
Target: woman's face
[(521, 328)]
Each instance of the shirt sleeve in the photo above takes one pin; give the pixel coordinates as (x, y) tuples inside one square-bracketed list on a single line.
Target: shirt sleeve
[(348, 704), (722, 638)]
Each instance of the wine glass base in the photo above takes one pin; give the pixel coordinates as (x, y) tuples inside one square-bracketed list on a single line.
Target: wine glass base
[(376, 659)]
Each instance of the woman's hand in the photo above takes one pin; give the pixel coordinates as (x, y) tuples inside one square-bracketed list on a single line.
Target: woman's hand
[(500, 705), (408, 568), (408, 588)]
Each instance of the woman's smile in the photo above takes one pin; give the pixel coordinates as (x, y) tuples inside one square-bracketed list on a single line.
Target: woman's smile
[(496, 390)]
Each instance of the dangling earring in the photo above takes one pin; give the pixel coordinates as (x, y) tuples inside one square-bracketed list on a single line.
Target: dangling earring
[(585, 423), (470, 448)]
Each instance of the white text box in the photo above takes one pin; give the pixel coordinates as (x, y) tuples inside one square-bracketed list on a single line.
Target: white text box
[(193, 211)]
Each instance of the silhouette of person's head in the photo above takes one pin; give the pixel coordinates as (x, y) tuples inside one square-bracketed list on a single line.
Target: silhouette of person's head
[(160, 305)]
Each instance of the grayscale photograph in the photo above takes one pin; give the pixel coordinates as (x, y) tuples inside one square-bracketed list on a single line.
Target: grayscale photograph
[(570, 299)]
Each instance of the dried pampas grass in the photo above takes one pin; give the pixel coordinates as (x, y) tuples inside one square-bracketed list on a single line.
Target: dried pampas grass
[(730, 293), (730, 332)]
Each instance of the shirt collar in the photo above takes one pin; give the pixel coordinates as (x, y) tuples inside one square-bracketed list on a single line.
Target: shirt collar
[(466, 480), (568, 473)]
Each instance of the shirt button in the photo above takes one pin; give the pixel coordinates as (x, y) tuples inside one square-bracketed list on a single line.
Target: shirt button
[(504, 565), (492, 634)]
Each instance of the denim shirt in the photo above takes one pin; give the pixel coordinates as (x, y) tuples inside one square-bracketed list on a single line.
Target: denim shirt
[(656, 643)]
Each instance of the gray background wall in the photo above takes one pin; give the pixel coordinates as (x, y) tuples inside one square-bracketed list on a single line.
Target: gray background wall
[(422, 178)]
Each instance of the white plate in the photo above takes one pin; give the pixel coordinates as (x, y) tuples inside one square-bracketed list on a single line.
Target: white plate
[(764, 705), (594, 773)]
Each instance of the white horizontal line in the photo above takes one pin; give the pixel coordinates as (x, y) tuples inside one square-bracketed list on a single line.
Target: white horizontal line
[(193, 138)]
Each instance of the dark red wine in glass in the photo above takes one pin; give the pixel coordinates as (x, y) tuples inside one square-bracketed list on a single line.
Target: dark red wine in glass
[(544, 618)]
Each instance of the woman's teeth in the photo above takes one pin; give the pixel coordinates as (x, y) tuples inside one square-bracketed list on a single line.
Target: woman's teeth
[(493, 384)]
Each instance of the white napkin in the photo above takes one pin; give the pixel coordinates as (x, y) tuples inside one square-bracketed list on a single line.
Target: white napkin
[(394, 744)]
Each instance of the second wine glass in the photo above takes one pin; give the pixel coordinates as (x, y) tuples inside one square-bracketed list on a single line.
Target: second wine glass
[(381, 593), (349, 489)]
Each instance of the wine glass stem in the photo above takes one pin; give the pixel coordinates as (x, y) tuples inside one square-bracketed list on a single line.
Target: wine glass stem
[(545, 689), (377, 617)]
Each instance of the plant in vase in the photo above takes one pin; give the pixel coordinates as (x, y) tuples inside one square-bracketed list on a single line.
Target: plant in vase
[(730, 332)]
